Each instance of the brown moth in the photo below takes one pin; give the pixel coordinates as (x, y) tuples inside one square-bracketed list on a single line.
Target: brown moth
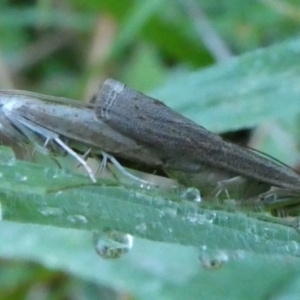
[(190, 153)]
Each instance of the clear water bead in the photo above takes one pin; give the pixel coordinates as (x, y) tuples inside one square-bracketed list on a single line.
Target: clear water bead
[(214, 260), (77, 219), (141, 228), (50, 211), (192, 194), (112, 244)]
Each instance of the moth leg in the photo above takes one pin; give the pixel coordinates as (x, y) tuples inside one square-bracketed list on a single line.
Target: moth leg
[(86, 154), (241, 188), (23, 125), (221, 189), (85, 157), (103, 163), (77, 157), (225, 185), (46, 142), (27, 134), (209, 180), (106, 156), (277, 200), (9, 130)]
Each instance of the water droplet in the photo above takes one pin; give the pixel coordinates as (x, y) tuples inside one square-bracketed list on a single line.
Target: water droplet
[(193, 218), (146, 187), (269, 198), (141, 228), (7, 156), (50, 211), (77, 219), (1, 216), (214, 260), (58, 193), (87, 204), (251, 228), (143, 196), (20, 177), (112, 244), (204, 218), (139, 216), (192, 194), (269, 233), (155, 226), (51, 173), (292, 247), (170, 229), (296, 224), (238, 254), (210, 216), (168, 211), (230, 202), (11, 162), (212, 264)]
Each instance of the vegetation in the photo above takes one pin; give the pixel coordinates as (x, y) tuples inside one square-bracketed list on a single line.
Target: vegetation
[(231, 66)]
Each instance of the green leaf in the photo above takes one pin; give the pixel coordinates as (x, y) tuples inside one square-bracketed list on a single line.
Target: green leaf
[(33, 194), (134, 23), (15, 18), (253, 88), (152, 270)]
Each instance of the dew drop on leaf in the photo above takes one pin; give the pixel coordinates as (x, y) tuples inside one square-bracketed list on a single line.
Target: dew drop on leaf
[(50, 211), (77, 219), (251, 228), (139, 215), (86, 204), (194, 218), (296, 224), (292, 248), (20, 177), (7, 156), (269, 233), (201, 218), (146, 187), (210, 216), (168, 211), (112, 244), (141, 228), (51, 173), (213, 260), (191, 194)]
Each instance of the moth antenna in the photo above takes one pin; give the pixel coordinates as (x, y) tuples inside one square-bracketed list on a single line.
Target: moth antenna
[(269, 156)]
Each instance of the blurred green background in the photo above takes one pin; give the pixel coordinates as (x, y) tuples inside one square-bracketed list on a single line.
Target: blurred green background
[(67, 48)]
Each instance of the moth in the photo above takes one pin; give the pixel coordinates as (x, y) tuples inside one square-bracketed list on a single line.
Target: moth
[(189, 153)]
